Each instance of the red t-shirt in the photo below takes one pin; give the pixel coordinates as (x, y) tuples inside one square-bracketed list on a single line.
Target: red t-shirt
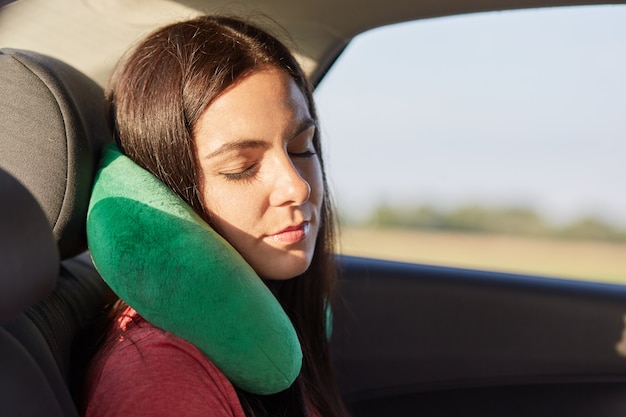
[(150, 372)]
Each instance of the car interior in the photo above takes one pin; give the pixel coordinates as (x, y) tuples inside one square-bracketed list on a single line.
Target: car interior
[(408, 339), (52, 130)]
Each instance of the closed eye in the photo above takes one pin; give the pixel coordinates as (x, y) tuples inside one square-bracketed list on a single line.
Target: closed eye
[(245, 174), (305, 154)]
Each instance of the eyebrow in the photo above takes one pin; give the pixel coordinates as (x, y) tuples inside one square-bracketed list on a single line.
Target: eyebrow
[(303, 127), (253, 143), (237, 145)]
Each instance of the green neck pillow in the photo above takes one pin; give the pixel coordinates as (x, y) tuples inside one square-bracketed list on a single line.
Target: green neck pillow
[(163, 260)]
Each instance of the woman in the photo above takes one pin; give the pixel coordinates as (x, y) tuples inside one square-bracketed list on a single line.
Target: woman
[(221, 112)]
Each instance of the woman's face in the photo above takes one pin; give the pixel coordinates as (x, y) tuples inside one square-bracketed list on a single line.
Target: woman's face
[(261, 181)]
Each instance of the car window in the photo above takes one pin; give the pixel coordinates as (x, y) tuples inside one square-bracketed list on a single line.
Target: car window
[(490, 141)]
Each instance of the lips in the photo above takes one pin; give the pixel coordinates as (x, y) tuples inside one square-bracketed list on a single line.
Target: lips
[(291, 234)]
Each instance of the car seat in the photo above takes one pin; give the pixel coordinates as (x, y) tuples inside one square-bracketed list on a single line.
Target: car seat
[(52, 126)]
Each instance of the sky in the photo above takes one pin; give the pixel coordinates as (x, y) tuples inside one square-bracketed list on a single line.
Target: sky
[(521, 108)]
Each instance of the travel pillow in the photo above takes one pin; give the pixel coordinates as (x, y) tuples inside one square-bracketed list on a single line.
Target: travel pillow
[(169, 265)]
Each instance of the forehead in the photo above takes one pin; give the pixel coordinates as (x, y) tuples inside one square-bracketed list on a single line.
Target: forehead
[(262, 105)]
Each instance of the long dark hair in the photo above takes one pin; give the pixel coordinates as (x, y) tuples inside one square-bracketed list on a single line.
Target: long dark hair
[(155, 98)]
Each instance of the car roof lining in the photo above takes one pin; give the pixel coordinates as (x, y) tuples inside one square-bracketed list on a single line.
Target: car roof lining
[(321, 29)]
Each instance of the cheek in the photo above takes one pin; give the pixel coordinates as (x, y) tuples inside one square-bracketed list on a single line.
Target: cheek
[(235, 211), (220, 204), (228, 204)]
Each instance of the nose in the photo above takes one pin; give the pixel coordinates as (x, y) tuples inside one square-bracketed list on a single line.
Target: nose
[(289, 188)]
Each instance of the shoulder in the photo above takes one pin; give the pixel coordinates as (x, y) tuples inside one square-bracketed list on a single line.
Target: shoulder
[(150, 372)]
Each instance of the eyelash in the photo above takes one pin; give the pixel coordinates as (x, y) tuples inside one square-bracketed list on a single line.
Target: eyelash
[(305, 154), (250, 172), (246, 174)]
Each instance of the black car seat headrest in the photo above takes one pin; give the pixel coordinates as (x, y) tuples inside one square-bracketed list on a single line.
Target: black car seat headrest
[(30, 261), (52, 128)]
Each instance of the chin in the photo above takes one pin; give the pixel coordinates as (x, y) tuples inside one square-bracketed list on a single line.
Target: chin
[(284, 269)]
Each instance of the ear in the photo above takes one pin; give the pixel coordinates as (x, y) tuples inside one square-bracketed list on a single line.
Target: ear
[(162, 259)]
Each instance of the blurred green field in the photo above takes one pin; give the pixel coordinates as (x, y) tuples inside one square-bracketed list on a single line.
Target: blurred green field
[(588, 260)]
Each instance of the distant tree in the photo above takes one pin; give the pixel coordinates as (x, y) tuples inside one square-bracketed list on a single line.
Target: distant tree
[(479, 219), (427, 217), (518, 220), (469, 218), (591, 228)]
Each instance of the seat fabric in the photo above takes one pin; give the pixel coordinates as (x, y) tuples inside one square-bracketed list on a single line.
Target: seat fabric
[(52, 127), (51, 131), (25, 234), (30, 381), (25, 390)]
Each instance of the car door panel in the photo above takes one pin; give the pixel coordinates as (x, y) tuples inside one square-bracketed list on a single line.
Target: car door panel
[(414, 336)]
